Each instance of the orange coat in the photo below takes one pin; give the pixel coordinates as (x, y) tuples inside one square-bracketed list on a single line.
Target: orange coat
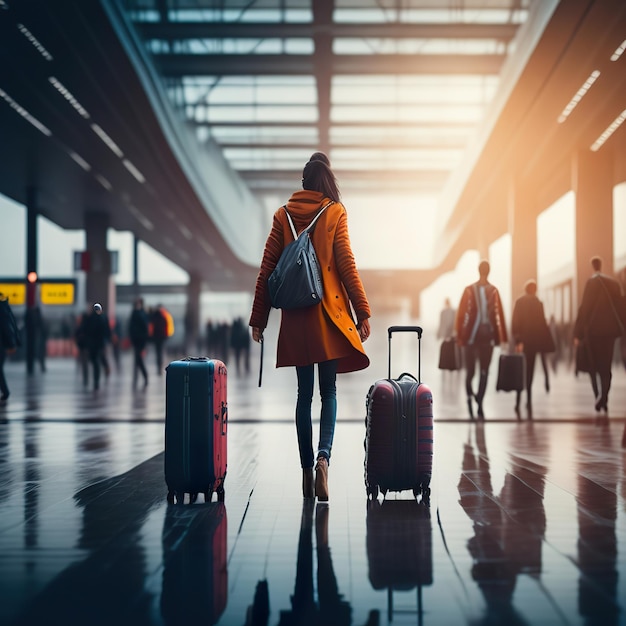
[(328, 331)]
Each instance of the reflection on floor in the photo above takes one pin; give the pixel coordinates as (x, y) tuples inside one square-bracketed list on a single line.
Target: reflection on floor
[(527, 523)]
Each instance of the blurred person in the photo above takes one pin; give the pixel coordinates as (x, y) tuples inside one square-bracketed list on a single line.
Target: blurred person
[(98, 334), (597, 326), (138, 332), (116, 342), (446, 321), (9, 341), (323, 334), (159, 335), (531, 335), (479, 326), (240, 343), (80, 339)]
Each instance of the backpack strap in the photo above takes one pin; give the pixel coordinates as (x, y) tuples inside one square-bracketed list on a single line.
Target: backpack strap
[(293, 228)]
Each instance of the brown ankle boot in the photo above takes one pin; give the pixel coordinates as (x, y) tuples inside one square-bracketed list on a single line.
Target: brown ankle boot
[(321, 479), (307, 483)]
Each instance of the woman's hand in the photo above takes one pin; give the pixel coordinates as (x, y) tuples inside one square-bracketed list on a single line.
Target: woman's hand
[(364, 329), (257, 334)]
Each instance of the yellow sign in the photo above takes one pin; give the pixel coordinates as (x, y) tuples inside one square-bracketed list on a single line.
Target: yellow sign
[(15, 292), (56, 293)]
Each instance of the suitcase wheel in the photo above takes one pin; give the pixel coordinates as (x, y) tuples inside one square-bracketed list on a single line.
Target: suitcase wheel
[(207, 495), (170, 497), (193, 497), (220, 493)]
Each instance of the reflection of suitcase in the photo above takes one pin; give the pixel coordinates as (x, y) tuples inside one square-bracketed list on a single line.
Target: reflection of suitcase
[(195, 574), (449, 355), (399, 547), (196, 415), (399, 431), (511, 372)]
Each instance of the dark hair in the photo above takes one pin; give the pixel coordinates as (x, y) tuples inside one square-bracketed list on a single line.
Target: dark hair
[(317, 176), (483, 268), (530, 287), (320, 156), (596, 263)]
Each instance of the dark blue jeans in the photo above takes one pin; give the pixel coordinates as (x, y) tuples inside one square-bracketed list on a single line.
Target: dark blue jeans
[(327, 372)]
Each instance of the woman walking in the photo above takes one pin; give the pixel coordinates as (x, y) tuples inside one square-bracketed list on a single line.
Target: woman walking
[(326, 333)]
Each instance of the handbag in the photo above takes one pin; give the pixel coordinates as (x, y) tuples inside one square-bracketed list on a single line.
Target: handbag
[(449, 355), (296, 281)]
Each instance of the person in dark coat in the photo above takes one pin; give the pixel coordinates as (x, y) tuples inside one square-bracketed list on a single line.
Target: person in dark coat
[(531, 335), (159, 335), (9, 340), (97, 333), (597, 327), (138, 332)]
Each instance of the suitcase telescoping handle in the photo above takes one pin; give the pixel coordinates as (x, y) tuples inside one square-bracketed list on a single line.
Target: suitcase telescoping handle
[(407, 329)]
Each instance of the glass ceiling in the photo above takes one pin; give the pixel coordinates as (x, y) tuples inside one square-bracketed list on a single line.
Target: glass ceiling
[(393, 90)]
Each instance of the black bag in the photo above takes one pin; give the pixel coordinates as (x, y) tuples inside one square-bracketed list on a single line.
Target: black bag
[(449, 355), (511, 372), (296, 281), (8, 327)]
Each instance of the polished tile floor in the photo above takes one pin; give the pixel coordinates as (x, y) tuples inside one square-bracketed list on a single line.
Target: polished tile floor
[(527, 523)]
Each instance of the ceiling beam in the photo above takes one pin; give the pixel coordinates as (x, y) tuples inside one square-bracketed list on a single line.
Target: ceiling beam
[(386, 144), (410, 176), (180, 31), (178, 65)]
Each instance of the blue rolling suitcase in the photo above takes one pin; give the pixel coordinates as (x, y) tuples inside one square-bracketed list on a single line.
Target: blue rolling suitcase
[(196, 416)]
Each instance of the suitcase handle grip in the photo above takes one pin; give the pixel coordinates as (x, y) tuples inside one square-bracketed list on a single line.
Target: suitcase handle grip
[(407, 329)]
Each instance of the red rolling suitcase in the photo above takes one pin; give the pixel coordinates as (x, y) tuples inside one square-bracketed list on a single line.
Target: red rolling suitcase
[(399, 431), (196, 416)]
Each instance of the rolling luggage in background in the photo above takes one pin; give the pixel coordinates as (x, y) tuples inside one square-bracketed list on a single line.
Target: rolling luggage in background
[(449, 355), (511, 372), (196, 416), (399, 431), (399, 548)]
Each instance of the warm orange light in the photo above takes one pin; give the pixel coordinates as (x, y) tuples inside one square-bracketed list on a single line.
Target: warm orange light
[(32, 277)]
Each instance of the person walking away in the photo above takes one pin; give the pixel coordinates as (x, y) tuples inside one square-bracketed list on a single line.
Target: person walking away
[(479, 325), (159, 335), (138, 332), (9, 341), (240, 343), (446, 321), (598, 325), (97, 333), (531, 335), (326, 333), (80, 338)]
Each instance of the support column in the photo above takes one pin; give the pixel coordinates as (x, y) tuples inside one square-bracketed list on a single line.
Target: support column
[(192, 313), (100, 285), (592, 182), (136, 288), (32, 211), (523, 229)]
